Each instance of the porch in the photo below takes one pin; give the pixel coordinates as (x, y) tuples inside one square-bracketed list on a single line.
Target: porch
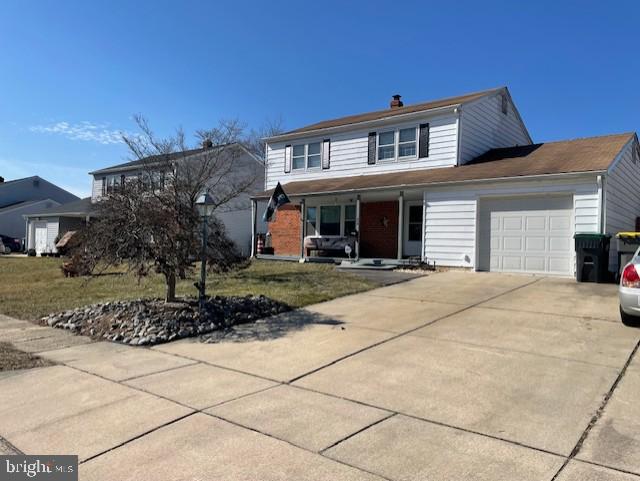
[(367, 227)]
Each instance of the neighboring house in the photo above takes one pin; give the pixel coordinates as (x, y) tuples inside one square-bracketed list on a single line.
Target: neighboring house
[(44, 227), (457, 181), (24, 196)]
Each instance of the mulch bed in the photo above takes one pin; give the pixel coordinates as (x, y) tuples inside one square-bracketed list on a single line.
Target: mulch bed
[(12, 359), (144, 322)]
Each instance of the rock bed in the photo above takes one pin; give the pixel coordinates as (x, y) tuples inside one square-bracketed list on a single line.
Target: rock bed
[(152, 321)]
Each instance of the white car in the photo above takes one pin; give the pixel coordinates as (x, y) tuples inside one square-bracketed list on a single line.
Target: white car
[(629, 292)]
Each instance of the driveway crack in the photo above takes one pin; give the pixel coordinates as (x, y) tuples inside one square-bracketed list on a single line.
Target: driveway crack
[(401, 334), (599, 412)]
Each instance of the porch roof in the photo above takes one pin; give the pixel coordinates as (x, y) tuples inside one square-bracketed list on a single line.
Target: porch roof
[(593, 154)]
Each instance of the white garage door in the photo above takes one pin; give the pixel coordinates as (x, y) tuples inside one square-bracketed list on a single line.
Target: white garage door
[(526, 234)]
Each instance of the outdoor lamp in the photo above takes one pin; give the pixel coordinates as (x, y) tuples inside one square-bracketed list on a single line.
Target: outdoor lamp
[(205, 205)]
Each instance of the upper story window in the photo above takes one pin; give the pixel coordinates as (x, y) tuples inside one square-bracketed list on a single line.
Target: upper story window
[(306, 156), (397, 144)]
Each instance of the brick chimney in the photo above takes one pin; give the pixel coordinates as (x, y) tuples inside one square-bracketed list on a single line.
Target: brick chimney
[(395, 101), (207, 144)]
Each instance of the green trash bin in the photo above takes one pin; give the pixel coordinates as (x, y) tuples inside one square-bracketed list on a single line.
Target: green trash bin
[(592, 257), (627, 243)]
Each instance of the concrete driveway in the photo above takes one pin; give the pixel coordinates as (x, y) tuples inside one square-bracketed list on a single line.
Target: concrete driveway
[(454, 376)]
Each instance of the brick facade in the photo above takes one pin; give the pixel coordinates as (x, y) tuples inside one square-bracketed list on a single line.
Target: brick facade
[(285, 231), (379, 229)]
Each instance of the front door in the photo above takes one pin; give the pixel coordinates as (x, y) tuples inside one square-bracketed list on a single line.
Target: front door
[(412, 244)]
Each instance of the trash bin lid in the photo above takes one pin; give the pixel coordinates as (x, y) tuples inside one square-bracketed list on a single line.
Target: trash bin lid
[(628, 235), (591, 235)]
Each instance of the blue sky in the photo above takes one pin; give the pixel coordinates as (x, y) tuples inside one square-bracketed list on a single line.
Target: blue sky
[(74, 72)]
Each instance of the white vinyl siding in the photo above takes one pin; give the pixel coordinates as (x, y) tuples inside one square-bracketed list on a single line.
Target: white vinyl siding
[(485, 127), (622, 197), (96, 188), (49, 229), (349, 153), (451, 213)]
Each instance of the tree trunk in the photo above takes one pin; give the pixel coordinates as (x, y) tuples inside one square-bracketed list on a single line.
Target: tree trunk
[(171, 287)]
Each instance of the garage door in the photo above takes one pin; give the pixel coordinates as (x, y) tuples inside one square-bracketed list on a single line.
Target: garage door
[(526, 234)]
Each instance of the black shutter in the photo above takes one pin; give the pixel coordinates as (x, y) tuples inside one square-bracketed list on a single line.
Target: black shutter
[(423, 148), (372, 148)]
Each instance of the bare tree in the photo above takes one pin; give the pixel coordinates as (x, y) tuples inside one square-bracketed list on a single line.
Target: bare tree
[(255, 140), (149, 220)]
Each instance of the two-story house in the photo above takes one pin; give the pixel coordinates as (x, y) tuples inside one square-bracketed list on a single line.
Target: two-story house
[(45, 226), (457, 181)]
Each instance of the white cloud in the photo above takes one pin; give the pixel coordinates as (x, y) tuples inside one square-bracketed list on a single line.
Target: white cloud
[(87, 131)]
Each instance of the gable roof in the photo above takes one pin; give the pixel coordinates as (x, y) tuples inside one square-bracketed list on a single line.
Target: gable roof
[(76, 208), (593, 154), (15, 181), (27, 203), (391, 112), (152, 159)]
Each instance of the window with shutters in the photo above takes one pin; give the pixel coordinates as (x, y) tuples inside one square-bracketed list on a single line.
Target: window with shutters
[(399, 144), (307, 156)]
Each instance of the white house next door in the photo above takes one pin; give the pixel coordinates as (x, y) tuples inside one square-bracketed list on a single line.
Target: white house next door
[(412, 235), (527, 234)]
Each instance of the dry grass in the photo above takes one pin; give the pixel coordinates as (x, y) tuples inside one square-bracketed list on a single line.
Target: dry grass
[(12, 359), (34, 287)]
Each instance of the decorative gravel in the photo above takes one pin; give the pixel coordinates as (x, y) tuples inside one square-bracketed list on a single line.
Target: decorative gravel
[(152, 321)]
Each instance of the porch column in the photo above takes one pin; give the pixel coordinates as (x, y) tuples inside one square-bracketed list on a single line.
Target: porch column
[(254, 214), (303, 219), (26, 237), (400, 222), (358, 227)]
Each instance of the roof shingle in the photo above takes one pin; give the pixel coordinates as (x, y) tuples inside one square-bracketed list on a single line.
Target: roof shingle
[(386, 113), (594, 154)]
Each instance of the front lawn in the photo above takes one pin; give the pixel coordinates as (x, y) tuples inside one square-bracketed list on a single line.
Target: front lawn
[(33, 287)]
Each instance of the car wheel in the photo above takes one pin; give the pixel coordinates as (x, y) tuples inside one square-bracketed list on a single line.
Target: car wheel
[(629, 320)]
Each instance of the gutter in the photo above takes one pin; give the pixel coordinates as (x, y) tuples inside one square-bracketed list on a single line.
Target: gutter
[(444, 183)]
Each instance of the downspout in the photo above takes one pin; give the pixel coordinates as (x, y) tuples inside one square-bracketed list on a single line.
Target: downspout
[(602, 204), (458, 111)]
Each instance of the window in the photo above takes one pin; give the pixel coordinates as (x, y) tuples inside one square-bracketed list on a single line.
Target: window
[(504, 104), (386, 145), (401, 144), (298, 156), (415, 223), (104, 186), (330, 220), (313, 155), (349, 219), (307, 156), (311, 221), (407, 143)]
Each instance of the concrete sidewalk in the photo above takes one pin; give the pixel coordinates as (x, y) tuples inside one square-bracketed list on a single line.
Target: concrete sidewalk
[(451, 376)]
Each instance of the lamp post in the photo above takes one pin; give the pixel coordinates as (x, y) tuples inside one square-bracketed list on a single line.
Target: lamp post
[(205, 205)]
